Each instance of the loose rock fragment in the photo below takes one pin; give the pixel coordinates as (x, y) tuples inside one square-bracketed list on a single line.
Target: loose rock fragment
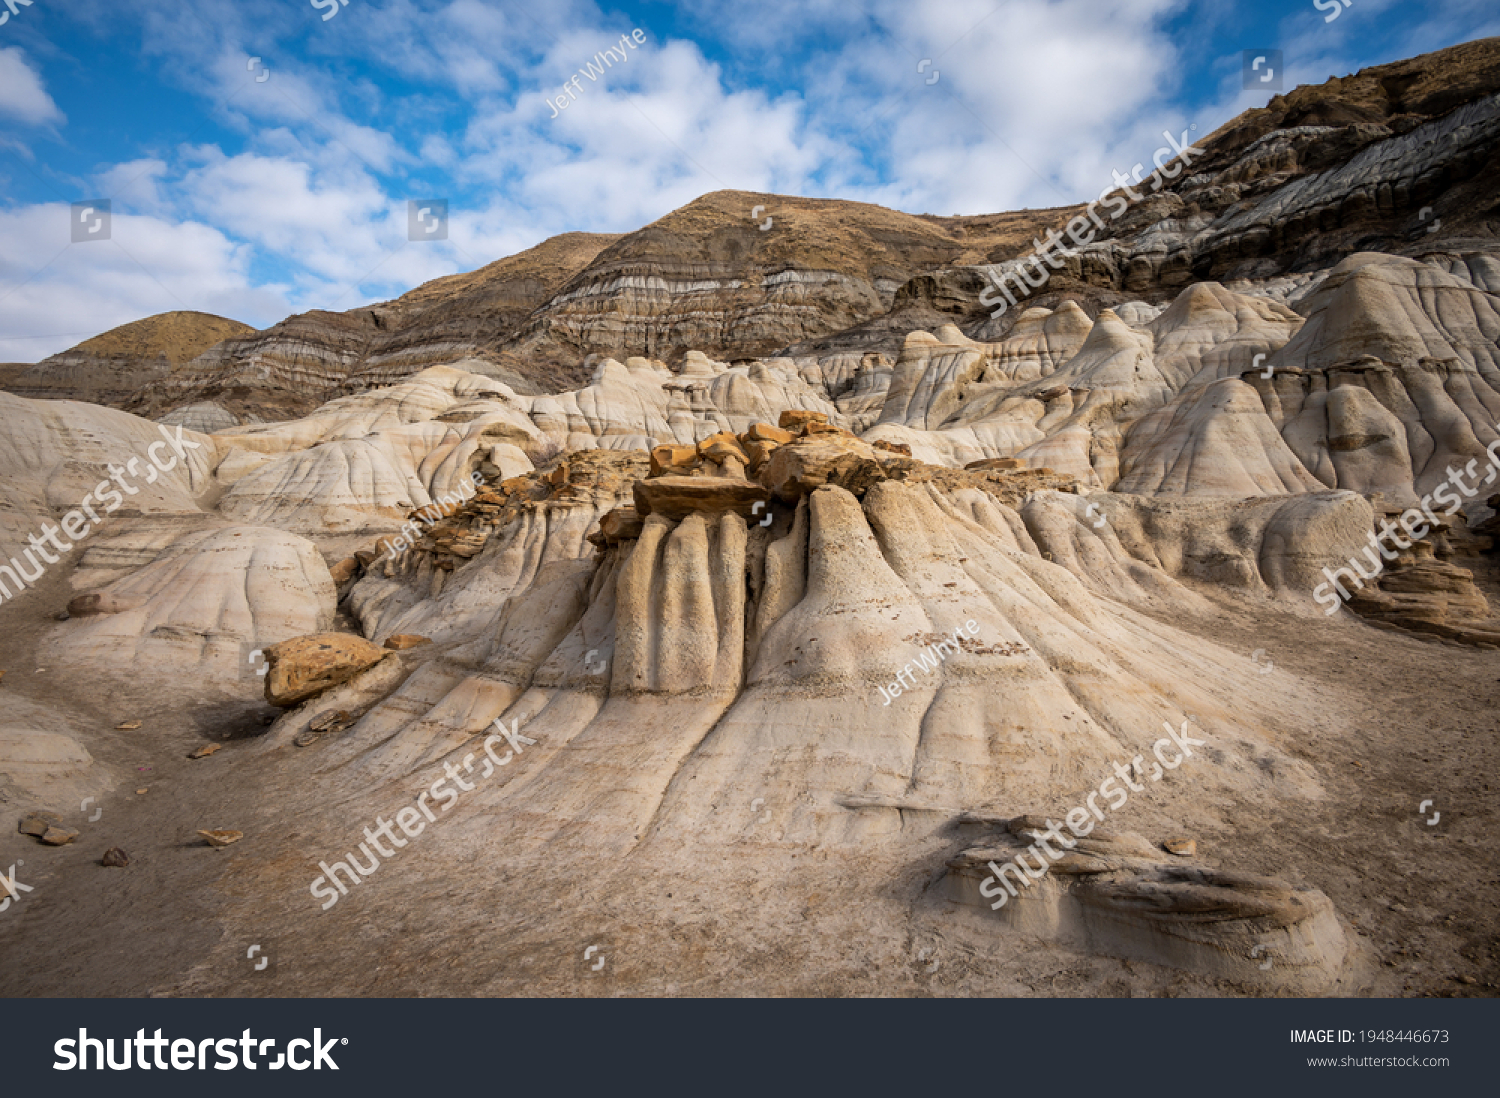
[(764, 432), (678, 497), (58, 836), (127, 726), (794, 419), (114, 856), (101, 602), (330, 723), (304, 667), (205, 751), (38, 823), (1001, 464), (1183, 848), (217, 837)]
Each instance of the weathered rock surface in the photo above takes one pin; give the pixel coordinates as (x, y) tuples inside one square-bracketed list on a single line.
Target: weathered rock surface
[(684, 507), (677, 497), (305, 667), (1116, 892)]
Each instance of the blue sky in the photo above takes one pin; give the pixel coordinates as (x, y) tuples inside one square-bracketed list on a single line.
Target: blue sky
[(256, 198)]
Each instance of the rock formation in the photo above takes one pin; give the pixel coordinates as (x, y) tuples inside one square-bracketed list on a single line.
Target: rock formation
[(765, 569)]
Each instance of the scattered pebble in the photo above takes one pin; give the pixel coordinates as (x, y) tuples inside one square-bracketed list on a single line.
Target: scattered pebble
[(205, 751), (400, 642), (127, 726), (1183, 848), (140, 791), (221, 838), (332, 722), (114, 856)]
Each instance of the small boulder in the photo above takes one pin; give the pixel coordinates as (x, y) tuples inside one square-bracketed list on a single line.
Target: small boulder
[(1183, 848), (678, 497), (102, 602), (759, 452), (621, 524), (721, 447), (38, 823), (116, 857), (670, 459), (815, 428), (58, 836), (400, 642), (344, 571), (304, 667), (999, 464), (797, 470), (794, 419), (764, 432)]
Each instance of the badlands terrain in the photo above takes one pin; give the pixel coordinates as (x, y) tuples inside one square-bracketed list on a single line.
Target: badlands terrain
[(689, 511)]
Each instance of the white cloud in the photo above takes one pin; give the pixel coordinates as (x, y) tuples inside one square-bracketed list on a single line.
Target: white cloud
[(302, 204), (22, 94), (54, 294)]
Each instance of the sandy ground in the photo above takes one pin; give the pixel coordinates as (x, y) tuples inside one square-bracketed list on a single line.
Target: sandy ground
[(1390, 722)]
